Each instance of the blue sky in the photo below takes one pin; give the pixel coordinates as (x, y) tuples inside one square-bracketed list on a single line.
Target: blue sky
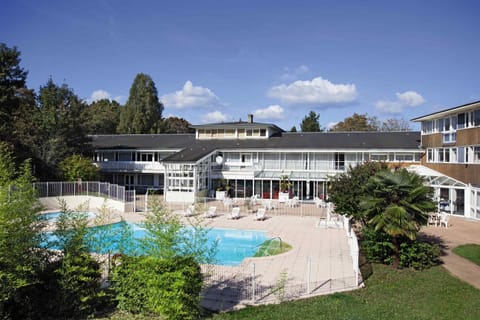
[(221, 60)]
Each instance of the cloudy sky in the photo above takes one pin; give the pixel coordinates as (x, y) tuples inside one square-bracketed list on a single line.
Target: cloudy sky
[(218, 60)]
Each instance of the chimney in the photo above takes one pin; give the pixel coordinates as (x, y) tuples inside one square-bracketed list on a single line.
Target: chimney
[(250, 118)]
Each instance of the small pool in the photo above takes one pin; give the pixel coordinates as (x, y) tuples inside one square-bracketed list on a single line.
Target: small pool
[(53, 216), (233, 245)]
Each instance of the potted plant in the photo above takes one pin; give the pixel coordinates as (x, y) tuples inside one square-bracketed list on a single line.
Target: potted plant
[(285, 186), (221, 190)]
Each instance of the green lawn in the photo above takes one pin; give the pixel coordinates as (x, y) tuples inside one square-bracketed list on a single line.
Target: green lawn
[(469, 251), (389, 294), (272, 247)]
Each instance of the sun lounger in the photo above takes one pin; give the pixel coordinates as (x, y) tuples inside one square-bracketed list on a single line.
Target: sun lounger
[(235, 214), (260, 215), (211, 212)]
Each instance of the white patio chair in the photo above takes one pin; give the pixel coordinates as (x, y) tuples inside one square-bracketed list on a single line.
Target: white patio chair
[(444, 220), (235, 214), (260, 215), (211, 212)]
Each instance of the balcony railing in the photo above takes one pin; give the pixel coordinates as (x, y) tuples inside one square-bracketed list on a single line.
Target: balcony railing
[(135, 166)]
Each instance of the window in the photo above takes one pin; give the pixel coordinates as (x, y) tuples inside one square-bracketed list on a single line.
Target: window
[(476, 154), (146, 157), (440, 155), (461, 155), (404, 157), (379, 157), (339, 161), (427, 126), (263, 132), (476, 118), (462, 120), (430, 155), (248, 132)]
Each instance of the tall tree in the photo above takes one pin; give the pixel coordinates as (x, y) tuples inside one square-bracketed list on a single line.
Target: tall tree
[(62, 126), (394, 124), (143, 111), (12, 80), (20, 230), (397, 203), (102, 117), (357, 122), (310, 123), (175, 125), (347, 189), (17, 104)]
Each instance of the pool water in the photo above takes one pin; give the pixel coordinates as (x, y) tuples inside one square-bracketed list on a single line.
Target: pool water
[(53, 216), (233, 245)]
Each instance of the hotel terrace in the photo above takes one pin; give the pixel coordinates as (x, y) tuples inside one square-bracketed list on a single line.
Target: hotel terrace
[(250, 158)]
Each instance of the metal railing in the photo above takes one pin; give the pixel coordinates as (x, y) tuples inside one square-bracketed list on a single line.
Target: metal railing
[(84, 188)]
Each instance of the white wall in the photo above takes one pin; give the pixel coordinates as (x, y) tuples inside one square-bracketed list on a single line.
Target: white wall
[(185, 197), (92, 203)]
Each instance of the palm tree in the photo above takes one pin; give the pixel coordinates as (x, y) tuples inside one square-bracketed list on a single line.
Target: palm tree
[(397, 203)]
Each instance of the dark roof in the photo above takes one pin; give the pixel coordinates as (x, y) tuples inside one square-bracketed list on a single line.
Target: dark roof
[(143, 141), (191, 150), (446, 111), (304, 141)]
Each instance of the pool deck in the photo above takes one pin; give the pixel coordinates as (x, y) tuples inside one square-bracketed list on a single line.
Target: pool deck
[(319, 254)]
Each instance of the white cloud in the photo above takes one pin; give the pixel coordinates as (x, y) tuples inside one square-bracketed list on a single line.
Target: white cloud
[(99, 95), (190, 97), (271, 112), (404, 99), (410, 98), (316, 91), (291, 75), (214, 117), (330, 125)]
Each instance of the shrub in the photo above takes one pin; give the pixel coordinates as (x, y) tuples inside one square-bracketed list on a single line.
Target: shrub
[(376, 246), (168, 287), (419, 255)]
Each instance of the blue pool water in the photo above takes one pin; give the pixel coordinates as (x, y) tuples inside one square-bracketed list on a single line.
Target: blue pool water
[(53, 216), (233, 245)]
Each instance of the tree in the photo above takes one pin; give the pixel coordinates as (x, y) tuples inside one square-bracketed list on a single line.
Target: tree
[(20, 231), (294, 129), (76, 166), (347, 189), (394, 124), (17, 105), (62, 126), (357, 122), (102, 117), (176, 125), (310, 123), (143, 111), (166, 237), (397, 203), (12, 81)]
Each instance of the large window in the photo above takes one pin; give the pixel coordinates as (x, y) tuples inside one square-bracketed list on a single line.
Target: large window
[(339, 161)]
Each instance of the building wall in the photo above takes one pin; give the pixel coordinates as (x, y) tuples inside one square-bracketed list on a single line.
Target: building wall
[(467, 173), (470, 136)]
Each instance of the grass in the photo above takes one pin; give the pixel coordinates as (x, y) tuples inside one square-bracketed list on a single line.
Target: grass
[(389, 294), (272, 247), (469, 251)]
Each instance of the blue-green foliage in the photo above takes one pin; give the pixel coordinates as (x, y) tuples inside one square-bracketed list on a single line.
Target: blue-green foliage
[(168, 287)]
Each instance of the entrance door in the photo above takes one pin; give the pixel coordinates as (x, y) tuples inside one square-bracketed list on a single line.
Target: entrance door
[(129, 181)]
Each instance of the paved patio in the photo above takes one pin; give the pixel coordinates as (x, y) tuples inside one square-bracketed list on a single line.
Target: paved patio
[(460, 231), (319, 255)]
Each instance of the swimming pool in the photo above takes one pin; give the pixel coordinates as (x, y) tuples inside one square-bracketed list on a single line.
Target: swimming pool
[(233, 245), (53, 216)]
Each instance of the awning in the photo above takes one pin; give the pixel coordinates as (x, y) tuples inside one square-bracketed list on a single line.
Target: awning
[(435, 178)]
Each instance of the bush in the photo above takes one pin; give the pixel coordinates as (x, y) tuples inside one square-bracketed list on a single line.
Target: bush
[(419, 255), (376, 246), (168, 287)]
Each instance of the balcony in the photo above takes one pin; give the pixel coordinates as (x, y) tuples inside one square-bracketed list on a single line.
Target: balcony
[(131, 166)]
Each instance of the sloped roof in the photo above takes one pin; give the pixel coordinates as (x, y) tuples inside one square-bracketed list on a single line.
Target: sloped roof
[(449, 111), (191, 150)]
